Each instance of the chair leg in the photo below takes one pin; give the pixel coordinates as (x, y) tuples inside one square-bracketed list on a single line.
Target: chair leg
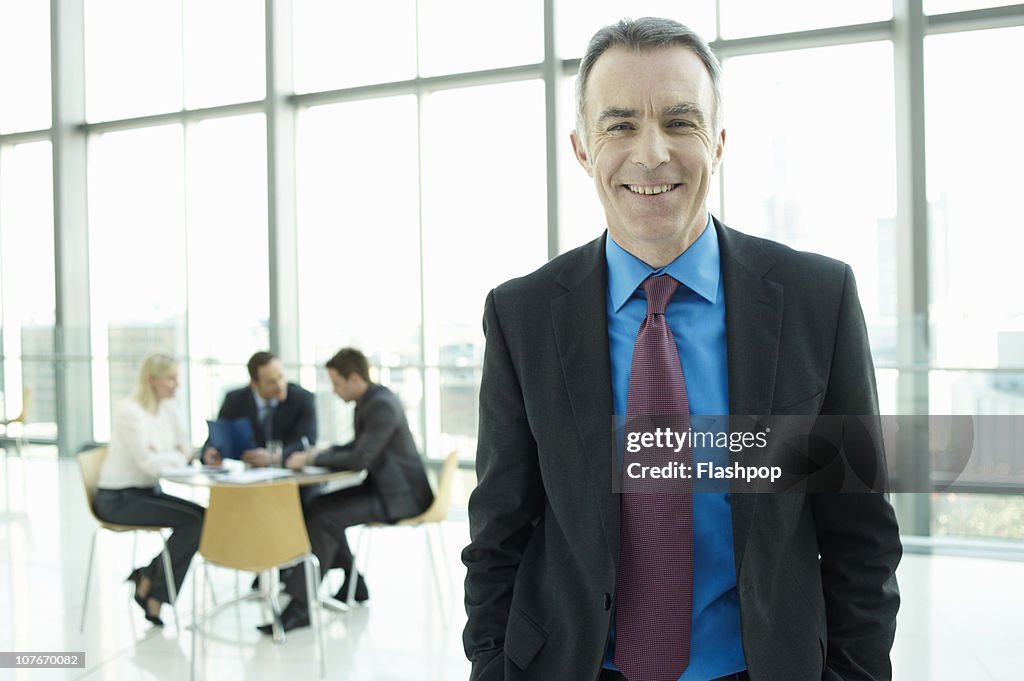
[(446, 568), (7, 482), (311, 565), (436, 571), (364, 539), (172, 592), (88, 579), (196, 619), (209, 583), (275, 605)]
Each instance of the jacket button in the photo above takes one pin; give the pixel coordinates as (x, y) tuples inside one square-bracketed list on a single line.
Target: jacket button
[(607, 601)]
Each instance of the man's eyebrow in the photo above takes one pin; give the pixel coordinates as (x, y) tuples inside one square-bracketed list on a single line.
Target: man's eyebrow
[(615, 112), (682, 109)]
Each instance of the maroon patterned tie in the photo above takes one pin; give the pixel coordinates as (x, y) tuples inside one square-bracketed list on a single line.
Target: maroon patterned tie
[(654, 598)]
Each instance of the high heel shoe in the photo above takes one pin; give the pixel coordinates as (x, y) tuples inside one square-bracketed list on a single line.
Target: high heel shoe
[(155, 619), (136, 577)]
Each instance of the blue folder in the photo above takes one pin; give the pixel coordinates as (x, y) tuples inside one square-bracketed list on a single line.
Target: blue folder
[(231, 437)]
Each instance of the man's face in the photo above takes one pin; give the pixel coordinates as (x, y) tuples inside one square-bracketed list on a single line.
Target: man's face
[(651, 147), (344, 387), (270, 383)]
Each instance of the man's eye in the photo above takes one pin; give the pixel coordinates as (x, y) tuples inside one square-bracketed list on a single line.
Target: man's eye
[(619, 127), (681, 124)]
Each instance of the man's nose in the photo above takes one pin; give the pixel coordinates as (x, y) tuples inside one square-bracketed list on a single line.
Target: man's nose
[(650, 149)]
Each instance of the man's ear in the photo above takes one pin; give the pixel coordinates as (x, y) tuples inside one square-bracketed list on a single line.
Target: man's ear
[(580, 151), (719, 150)]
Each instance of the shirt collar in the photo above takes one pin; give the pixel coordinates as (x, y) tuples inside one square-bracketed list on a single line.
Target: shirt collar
[(697, 268), (261, 403), (370, 389)]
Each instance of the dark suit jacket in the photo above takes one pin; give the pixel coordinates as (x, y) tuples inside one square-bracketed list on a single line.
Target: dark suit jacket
[(384, 447), (294, 418), (545, 526)]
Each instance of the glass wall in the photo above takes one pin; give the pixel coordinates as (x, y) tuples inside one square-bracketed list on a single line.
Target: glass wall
[(227, 251), (27, 294), (27, 286), (359, 244), (24, 65), (837, 197), (976, 241), (392, 180)]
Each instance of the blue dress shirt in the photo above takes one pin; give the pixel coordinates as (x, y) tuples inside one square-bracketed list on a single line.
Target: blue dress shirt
[(696, 315), (263, 408)]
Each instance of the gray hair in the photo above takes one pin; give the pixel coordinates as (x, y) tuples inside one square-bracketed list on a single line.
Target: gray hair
[(643, 34)]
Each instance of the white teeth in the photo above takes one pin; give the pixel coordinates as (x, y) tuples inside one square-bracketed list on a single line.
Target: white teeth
[(657, 189)]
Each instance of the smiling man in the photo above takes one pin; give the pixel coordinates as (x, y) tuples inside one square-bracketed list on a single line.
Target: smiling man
[(648, 136), (669, 313)]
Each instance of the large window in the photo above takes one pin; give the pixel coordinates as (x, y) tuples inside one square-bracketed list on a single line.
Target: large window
[(810, 160), (24, 65), (359, 243), (163, 55), (975, 228), (227, 256), (577, 20), (484, 222), (942, 6), (340, 44), (137, 256), (27, 284), (743, 18), (976, 238), (468, 35), (402, 167)]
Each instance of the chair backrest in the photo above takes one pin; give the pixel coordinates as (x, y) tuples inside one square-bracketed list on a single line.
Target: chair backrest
[(254, 527), (438, 510), (90, 462), (26, 401), (22, 417)]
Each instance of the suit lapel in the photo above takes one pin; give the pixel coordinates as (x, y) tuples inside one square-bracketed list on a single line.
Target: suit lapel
[(753, 326), (580, 322), (753, 323), (357, 419), (254, 416)]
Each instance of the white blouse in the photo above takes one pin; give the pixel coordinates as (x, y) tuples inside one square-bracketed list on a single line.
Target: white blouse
[(142, 445)]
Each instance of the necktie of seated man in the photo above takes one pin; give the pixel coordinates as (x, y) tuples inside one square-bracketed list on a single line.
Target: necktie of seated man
[(654, 593), (268, 424)]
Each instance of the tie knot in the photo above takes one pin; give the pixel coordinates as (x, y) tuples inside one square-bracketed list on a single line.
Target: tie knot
[(659, 291)]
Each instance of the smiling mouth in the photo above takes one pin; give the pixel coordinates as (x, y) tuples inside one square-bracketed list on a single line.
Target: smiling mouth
[(649, 190)]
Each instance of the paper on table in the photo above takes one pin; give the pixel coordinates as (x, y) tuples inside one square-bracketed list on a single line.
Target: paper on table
[(254, 475), (180, 472)]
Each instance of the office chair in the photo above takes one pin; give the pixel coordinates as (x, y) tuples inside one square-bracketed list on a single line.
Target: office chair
[(429, 520), (21, 420), (90, 463), (258, 528)]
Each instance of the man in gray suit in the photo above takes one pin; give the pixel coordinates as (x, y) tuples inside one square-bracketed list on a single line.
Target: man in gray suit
[(785, 587), (396, 485)]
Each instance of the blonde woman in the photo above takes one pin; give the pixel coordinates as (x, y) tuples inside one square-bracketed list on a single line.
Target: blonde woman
[(148, 437)]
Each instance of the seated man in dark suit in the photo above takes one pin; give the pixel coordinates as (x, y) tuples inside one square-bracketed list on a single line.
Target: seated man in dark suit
[(396, 484), (277, 409)]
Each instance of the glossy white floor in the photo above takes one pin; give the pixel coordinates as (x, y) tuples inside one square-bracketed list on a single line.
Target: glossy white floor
[(960, 618)]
